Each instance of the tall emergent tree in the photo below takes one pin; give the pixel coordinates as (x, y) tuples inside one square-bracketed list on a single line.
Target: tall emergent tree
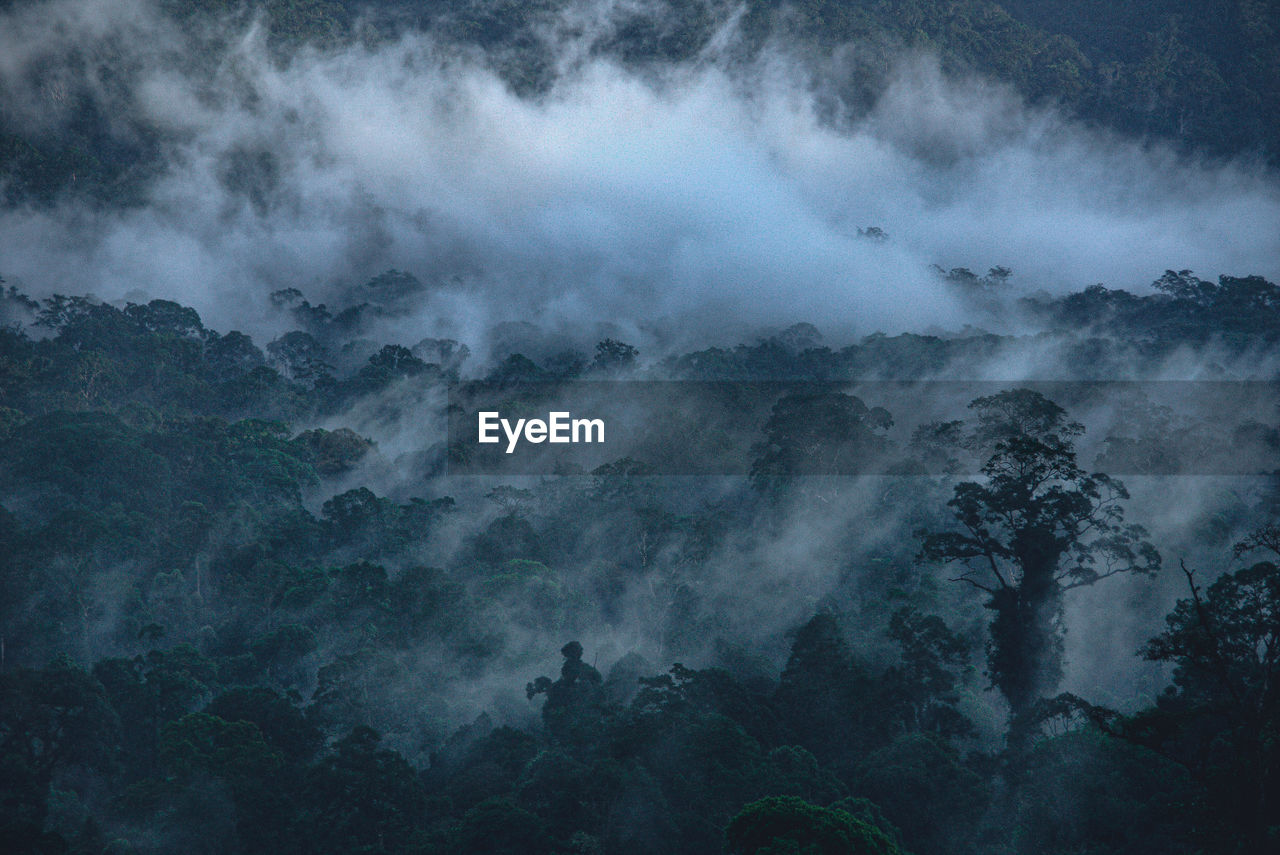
[(1035, 527)]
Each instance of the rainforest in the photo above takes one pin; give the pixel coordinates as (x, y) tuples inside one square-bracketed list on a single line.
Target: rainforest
[(938, 347)]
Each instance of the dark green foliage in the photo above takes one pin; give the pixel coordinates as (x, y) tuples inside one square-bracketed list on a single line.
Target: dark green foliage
[(575, 701), (1221, 717), (1190, 310), (280, 722), (301, 357), (336, 451), (50, 720), (487, 767), (152, 690), (1084, 792), (500, 827), (818, 433), (786, 825), (361, 798), (614, 356), (255, 617), (200, 742), (830, 701), (926, 790), (934, 660)]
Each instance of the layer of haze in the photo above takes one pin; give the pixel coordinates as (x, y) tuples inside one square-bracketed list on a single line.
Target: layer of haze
[(696, 199)]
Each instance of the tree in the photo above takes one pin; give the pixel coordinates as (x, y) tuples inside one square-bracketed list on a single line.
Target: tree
[(361, 798), (392, 362), (282, 724), (576, 701), (1221, 717), (50, 719), (818, 432), (1124, 800), (334, 452), (614, 356), (927, 791), (149, 691), (301, 355), (167, 318), (1183, 285), (209, 760), (933, 660), (498, 827), (828, 699), (1036, 527), (786, 824)]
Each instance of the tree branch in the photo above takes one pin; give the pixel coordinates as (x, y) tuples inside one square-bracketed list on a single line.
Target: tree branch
[(1215, 645), (978, 585)]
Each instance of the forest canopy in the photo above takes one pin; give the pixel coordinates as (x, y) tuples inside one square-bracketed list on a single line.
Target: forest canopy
[(884, 554), (204, 618)]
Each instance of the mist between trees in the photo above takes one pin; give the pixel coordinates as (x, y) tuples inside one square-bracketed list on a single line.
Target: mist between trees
[(883, 553), (239, 586)]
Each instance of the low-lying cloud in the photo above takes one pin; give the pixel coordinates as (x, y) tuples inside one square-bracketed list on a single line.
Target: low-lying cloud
[(694, 198)]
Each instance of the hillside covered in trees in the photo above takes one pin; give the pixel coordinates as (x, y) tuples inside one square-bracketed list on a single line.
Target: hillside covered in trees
[(884, 555), (1201, 73), (214, 641)]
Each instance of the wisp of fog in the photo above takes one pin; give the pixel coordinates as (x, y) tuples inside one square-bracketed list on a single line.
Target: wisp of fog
[(700, 198)]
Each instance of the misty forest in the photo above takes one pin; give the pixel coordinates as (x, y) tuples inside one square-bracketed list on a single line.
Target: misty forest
[(959, 531)]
